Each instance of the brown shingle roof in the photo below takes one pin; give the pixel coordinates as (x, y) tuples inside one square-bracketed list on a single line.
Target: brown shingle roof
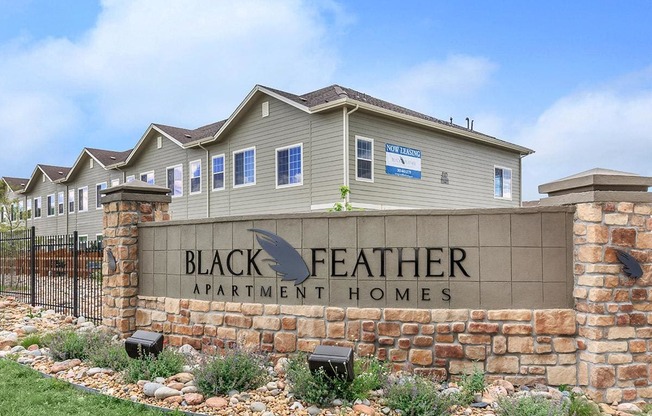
[(184, 136), (54, 172), (108, 157), (16, 184)]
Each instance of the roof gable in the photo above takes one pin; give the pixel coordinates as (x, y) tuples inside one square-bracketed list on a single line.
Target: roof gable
[(15, 184), (52, 173)]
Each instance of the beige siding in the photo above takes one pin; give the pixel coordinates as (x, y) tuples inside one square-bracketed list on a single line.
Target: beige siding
[(470, 168), (45, 225), (327, 160)]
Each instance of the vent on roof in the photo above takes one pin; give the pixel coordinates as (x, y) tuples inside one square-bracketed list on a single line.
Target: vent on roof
[(265, 109), (340, 91), (188, 136), (112, 157), (60, 173)]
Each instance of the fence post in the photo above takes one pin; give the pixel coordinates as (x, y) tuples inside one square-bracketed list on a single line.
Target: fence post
[(124, 207), (75, 273), (32, 260)]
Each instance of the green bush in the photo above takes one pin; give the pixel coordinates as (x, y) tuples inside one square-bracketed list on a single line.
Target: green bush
[(417, 396), (148, 367), (236, 370), (68, 344), (32, 339), (471, 384), (320, 389), (579, 405), (113, 356), (529, 406)]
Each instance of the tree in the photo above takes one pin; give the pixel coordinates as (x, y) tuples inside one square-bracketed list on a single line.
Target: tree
[(10, 215)]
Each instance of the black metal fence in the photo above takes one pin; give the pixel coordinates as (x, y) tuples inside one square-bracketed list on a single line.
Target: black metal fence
[(58, 272)]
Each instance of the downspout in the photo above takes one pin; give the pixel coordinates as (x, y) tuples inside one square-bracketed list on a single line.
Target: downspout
[(520, 180), (345, 147), (208, 190)]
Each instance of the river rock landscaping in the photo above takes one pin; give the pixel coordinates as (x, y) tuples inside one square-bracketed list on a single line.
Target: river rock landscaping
[(266, 389)]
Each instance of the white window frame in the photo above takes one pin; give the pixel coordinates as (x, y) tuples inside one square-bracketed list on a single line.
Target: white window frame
[(98, 193), (37, 201), (213, 188), (243, 185), (149, 172), (50, 201), (130, 178), (115, 182), (171, 188), (288, 185), (61, 203), (511, 181), (85, 240), (73, 200), (84, 191), (191, 177), (373, 165)]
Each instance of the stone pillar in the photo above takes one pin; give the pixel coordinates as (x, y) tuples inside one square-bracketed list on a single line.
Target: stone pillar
[(614, 311), (125, 206)]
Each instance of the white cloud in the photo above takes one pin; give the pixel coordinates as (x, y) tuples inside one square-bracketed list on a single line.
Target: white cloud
[(179, 62), (608, 127), (434, 86)]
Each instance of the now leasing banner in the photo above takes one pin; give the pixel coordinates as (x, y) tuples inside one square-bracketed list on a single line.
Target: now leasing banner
[(402, 161)]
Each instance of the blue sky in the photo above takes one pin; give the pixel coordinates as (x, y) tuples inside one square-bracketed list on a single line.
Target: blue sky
[(571, 80)]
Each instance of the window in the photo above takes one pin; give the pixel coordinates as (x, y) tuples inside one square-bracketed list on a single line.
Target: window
[(71, 201), (98, 194), (28, 212), (364, 159), (244, 167), (175, 180), (147, 177), (99, 238), (60, 203), (14, 212), (37, 207), (502, 183), (218, 172), (289, 166), (83, 242), (82, 201), (115, 182), (131, 178), (195, 177), (50, 204), (21, 212)]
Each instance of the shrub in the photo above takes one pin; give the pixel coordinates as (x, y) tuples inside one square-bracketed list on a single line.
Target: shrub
[(529, 406), (112, 356), (471, 384), (66, 345), (30, 340), (320, 389), (579, 405), (417, 396), (236, 370), (148, 367)]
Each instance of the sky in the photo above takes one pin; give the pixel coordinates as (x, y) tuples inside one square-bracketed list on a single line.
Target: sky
[(571, 80)]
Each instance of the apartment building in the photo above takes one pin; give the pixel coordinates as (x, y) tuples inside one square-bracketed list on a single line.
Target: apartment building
[(280, 152)]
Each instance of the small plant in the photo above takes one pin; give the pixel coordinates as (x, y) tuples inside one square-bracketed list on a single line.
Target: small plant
[(66, 345), (236, 370), (32, 339), (578, 405), (470, 385), (529, 406), (320, 389), (417, 396), (342, 206), (148, 367), (112, 356)]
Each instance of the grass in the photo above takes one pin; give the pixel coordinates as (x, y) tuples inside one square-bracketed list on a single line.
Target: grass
[(23, 392)]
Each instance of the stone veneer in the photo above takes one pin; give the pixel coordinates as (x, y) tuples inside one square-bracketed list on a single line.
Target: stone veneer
[(520, 345), (614, 312)]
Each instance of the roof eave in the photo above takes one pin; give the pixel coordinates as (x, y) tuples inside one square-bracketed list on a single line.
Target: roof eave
[(437, 126)]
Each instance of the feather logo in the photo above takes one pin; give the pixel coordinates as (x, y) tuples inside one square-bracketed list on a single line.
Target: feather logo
[(631, 268), (288, 263)]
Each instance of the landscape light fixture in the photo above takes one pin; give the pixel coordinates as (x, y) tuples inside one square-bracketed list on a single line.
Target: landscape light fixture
[(335, 361), (144, 343)]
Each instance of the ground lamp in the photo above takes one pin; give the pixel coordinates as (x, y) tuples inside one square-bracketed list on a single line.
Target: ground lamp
[(143, 343), (335, 361)]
